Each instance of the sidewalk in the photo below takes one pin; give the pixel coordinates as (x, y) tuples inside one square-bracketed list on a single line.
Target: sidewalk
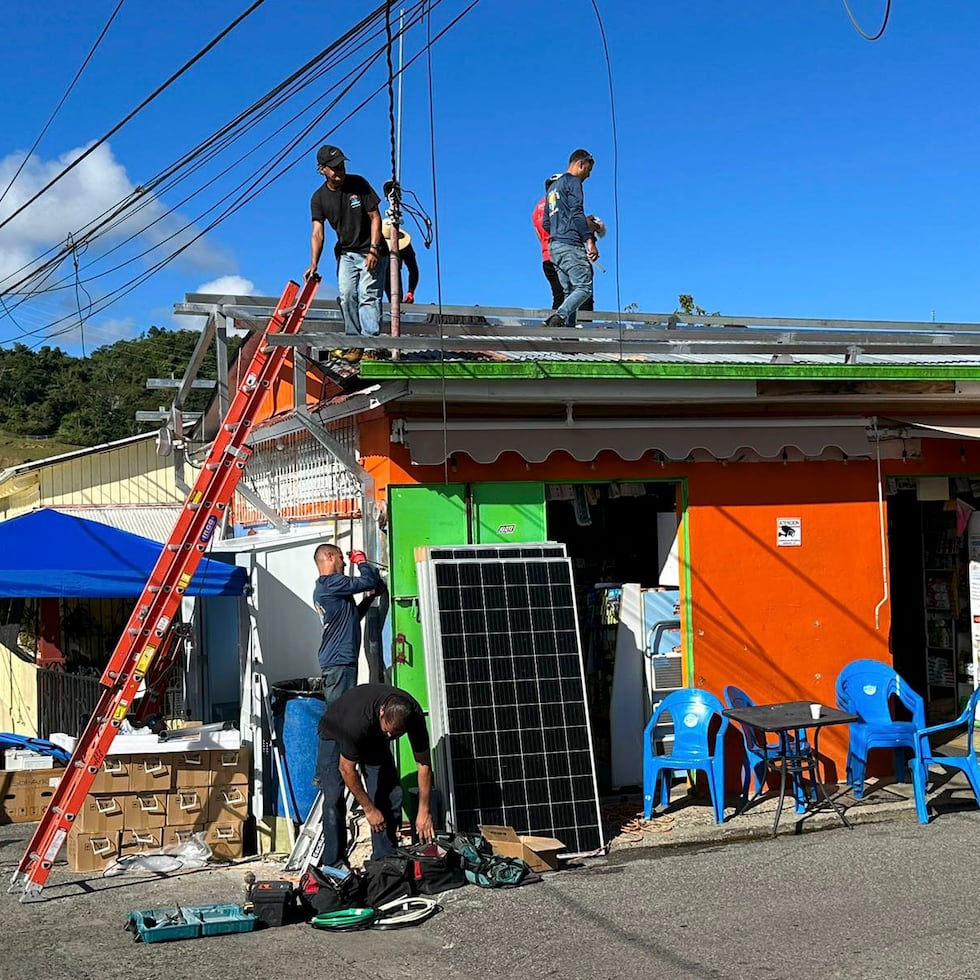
[(689, 819)]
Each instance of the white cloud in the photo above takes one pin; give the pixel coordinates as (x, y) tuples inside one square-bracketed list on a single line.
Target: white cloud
[(87, 193), (229, 286)]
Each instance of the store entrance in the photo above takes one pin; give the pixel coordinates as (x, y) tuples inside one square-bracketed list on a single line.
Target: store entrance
[(929, 535), (614, 533)]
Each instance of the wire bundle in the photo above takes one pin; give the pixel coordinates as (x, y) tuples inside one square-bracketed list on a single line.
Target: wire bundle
[(267, 159), (397, 914)]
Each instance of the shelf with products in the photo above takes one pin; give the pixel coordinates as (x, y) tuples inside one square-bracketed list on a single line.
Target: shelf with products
[(946, 610)]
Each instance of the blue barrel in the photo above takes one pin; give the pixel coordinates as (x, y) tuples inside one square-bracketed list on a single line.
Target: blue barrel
[(299, 740)]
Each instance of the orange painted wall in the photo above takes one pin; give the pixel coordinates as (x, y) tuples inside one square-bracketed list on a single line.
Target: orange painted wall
[(781, 622)]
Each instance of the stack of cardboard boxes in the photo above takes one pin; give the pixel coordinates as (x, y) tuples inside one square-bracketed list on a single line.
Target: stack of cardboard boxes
[(142, 803), (24, 793)]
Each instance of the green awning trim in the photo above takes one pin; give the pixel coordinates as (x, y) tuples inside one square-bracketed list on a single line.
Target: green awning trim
[(634, 369)]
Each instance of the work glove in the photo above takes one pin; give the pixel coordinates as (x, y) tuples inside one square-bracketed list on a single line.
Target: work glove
[(409, 298), (358, 557)]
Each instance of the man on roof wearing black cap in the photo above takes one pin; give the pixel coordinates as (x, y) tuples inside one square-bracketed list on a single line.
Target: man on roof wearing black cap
[(350, 205), (572, 237)]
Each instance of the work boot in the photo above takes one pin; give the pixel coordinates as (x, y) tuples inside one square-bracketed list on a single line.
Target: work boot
[(352, 355), (554, 321)]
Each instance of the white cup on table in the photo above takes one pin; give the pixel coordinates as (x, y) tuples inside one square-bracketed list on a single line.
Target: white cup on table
[(815, 711)]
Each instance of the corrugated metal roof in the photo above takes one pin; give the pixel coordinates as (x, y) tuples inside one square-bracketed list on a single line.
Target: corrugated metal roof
[(156, 523)]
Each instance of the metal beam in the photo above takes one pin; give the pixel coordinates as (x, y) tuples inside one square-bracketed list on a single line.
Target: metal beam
[(197, 303), (270, 513), (177, 382)]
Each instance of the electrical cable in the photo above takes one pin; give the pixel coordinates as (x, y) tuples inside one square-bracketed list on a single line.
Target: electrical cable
[(860, 30), (153, 95), (260, 179), (435, 219), (615, 174), (57, 108), (404, 912)]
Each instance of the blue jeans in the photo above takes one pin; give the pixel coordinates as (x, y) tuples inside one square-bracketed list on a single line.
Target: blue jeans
[(575, 275), (383, 789), (337, 681), (360, 294)]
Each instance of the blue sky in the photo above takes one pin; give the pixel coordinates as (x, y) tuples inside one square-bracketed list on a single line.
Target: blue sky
[(770, 161)]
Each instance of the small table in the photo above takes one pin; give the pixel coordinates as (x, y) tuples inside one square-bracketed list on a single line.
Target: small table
[(798, 758)]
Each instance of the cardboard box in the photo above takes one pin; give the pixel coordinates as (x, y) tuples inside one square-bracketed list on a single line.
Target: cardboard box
[(174, 836), (140, 841), (150, 773), (229, 802), (113, 776), (24, 793), (145, 811), (541, 853), (231, 766), (191, 769), (225, 839), (91, 852), (101, 814), (187, 805)]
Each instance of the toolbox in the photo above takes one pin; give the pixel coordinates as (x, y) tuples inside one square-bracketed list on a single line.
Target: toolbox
[(273, 902), (188, 922)]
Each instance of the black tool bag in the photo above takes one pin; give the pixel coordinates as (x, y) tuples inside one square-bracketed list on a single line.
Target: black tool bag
[(433, 868), (386, 880), (320, 892)]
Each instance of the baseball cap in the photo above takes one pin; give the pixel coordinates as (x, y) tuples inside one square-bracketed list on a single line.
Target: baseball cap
[(550, 180), (329, 156)]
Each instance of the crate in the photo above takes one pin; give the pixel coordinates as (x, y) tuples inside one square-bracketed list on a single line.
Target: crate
[(14, 759), (219, 920), (164, 925)]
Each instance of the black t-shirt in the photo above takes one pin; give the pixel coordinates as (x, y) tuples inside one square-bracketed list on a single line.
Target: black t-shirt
[(353, 722), (347, 212)]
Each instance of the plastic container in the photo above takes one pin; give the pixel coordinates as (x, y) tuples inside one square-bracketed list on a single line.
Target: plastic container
[(218, 920), (273, 902), (164, 925), (300, 717)]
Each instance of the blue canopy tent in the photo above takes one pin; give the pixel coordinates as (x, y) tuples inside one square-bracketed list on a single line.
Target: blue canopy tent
[(50, 554)]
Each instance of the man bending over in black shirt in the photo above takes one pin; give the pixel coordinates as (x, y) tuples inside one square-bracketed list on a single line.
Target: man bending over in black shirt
[(357, 731)]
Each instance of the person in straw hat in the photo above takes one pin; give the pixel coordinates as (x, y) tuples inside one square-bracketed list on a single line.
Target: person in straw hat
[(406, 253)]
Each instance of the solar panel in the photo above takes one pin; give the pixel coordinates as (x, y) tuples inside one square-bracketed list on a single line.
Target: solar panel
[(547, 549), (507, 695)]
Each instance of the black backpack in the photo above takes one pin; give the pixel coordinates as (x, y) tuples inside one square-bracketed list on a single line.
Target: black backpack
[(433, 867), (320, 892), (386, 879)]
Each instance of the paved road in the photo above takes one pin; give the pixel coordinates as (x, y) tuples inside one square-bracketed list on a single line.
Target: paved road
[(886, 900)]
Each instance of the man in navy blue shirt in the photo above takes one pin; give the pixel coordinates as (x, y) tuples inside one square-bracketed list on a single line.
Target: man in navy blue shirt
[(572, 238), (333, 597)]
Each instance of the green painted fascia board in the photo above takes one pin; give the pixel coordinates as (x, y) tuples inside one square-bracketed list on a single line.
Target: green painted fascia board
[(632, 369)]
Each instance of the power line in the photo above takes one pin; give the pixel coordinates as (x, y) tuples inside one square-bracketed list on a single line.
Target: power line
[(115, 129), (860, 30), (244, 192), (57, 108)]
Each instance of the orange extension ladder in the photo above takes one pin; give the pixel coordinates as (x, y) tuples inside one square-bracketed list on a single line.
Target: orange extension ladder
[(148, 631)]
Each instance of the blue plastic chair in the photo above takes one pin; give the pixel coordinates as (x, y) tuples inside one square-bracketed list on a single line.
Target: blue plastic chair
[(926, 756), (866, 688), (692, 711), (758, 747)]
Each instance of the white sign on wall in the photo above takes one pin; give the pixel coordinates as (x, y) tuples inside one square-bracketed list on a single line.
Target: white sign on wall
[(789, 532)]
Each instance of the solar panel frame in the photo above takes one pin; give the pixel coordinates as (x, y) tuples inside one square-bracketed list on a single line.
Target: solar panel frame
[(507, 698)]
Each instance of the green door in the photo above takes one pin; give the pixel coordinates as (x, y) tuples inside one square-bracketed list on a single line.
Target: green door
[(419, 517), (504, 513), (423, 516)]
